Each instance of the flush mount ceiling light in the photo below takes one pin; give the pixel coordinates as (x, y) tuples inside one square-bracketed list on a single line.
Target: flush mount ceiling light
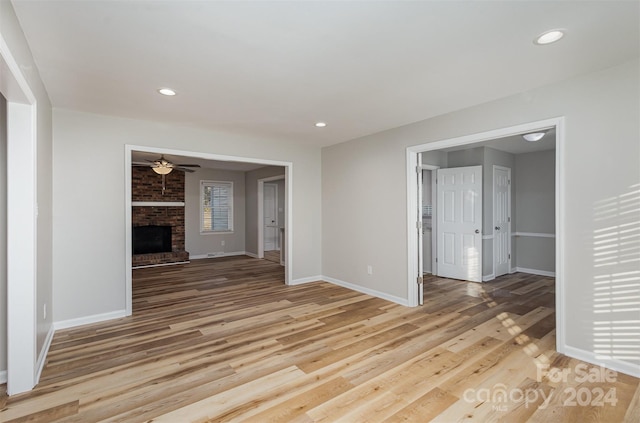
[(321, 124), (534, 136), (549, 37), (166, 91)]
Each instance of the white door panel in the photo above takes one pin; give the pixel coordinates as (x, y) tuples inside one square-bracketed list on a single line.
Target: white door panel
[(270, 217), (501, 220), (459, 228)]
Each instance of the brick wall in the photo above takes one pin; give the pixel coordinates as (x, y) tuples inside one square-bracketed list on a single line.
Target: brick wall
[(146, 185)]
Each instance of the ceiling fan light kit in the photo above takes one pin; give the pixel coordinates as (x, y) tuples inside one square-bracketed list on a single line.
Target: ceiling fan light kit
[(162, 170), (164, 167)]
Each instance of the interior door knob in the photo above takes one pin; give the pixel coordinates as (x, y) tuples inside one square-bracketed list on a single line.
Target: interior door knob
[(477, 231), (497, 228)]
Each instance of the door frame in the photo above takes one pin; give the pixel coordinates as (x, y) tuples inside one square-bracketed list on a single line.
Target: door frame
[(412, 217), (434, 213), (23, 366), (493, 221), (288, 216), (261, 211), (275, 200)]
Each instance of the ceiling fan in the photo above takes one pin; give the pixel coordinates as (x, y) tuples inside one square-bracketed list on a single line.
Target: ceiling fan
[(162, 166)]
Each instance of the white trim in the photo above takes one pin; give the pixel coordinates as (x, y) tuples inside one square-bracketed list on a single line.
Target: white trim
[(560, 208), (157, 203), (613, 364), (217, 254), (534, 234), (21, 247), (411, 157), (129, 148), (308, 279), (128, 235), (368, 291), (486, 237), (42, 358), (3, 376), (14, 86), (87, 320), (413, 290), (144, 266), (252, 255), (488, 278), (22, 209), (535, 272)]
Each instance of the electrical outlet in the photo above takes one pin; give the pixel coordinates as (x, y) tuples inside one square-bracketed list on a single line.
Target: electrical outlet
[(369, 270), (222, 242)]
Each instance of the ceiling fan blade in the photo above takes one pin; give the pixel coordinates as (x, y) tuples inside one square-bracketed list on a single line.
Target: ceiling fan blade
[(184, 169), (140, 164), (186, 165)]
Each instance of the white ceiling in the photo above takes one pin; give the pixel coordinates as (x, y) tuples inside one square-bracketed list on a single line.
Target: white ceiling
[(273, 68)]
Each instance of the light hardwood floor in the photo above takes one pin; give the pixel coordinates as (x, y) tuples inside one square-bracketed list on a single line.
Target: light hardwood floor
[(224, 340)]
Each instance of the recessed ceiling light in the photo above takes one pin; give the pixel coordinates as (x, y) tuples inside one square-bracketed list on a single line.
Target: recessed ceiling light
[(320, 124), (549, 37), (166, 91), (534, 136)]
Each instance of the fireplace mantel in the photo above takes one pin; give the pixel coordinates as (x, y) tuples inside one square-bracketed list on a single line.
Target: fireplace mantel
[(157, 203)]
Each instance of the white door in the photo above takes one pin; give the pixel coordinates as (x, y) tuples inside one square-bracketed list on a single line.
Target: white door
[(501, 220), (459, 228), (270, 217)]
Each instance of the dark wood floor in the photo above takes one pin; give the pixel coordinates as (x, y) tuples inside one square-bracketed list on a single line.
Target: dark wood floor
[(224, 340)]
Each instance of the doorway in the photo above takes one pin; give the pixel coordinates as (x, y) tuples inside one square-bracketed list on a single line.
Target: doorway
[(287, 209), (414, 159), (272, 227), (270, 217)]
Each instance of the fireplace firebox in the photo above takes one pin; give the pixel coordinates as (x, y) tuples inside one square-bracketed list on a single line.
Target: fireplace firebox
[(151, 239)]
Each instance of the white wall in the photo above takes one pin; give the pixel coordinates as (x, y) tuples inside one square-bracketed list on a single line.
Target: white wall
[(535, 210), (198, 244), (12, 34), (602, 155), (89, 276)]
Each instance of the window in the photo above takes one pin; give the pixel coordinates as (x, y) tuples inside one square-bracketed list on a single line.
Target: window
[(216, 206)]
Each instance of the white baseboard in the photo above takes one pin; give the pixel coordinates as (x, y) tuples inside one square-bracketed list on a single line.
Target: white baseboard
[(368, 291), (625, 367), (96, 318), (216, 255), (536, 272), (488, 278), (252, 255), (3, 376), (42, 357), (308, 279)]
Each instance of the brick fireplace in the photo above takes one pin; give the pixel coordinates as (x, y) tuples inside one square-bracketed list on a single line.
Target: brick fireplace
[(148, 196)]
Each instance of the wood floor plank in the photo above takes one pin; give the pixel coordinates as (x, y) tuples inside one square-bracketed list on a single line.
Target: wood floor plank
[(225, 340)]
